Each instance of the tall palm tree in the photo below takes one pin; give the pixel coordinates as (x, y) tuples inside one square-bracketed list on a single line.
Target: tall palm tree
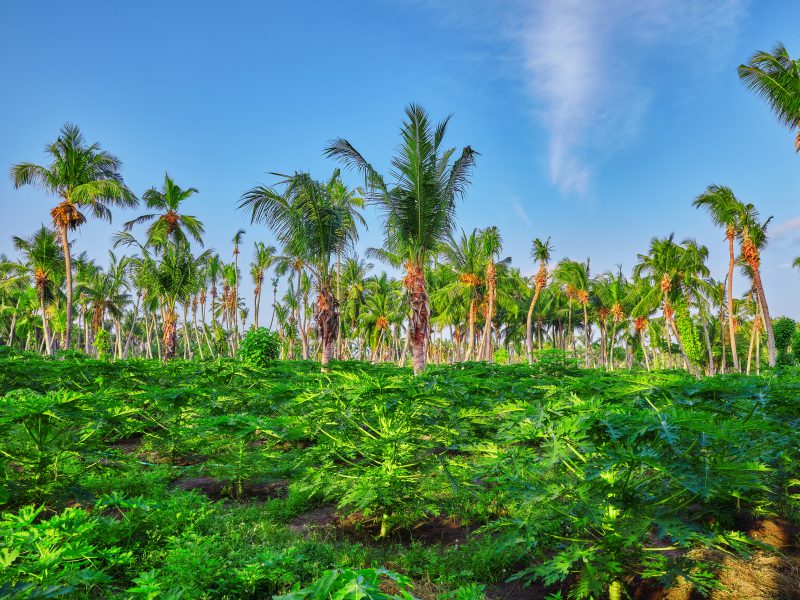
[(466, 257), (725, 211), (575, 277), (83, 177), (540, 252), (172, 278), (170, 222), (263, 257), (419, 205), (753, 238), (492, 245), (775, 76), (237, 240), (44, 260), (309, 222)]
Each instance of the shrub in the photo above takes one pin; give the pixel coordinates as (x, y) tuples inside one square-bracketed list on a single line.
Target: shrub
[(102, 343), (784, 330), (259, 347)]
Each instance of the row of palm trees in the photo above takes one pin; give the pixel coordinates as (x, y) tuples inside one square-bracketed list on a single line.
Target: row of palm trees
[(668, 313), (457, 300)]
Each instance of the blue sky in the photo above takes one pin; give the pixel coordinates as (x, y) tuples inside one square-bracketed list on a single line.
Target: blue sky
[(597, 121)]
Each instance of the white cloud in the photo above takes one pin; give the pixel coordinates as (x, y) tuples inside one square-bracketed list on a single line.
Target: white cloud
[(582, 64)]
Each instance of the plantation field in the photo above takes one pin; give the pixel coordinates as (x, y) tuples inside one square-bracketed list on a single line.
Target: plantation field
[(214, 479)]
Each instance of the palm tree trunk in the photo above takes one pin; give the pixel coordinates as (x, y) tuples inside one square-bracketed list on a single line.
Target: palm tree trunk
[(256, 302), (471, 345), (133, 325), (13, 325), (723, 366), (169, 336), (327, 322), (274, 304), (758, 352), (644, 350), (68, 282), (569, 333), (767, 319), (707, 338), (586, 332), (752, 342), (731, 325), (529, 326), (301, 329), (197, 335), (118, 329), (186, 340), (45, 326), (420, 315)]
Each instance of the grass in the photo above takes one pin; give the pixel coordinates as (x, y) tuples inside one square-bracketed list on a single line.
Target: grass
[(220, 480)]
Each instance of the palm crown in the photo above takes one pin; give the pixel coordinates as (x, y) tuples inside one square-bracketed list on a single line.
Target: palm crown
[(169, 222)]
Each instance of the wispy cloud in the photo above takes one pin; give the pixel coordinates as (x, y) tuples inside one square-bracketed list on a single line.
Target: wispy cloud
[(786, 229), (519, 210), (582, 64)]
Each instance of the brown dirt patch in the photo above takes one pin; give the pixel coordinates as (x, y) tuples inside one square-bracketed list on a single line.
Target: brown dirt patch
[(217, 490), (443, 531), (127, 445), (324, 517)]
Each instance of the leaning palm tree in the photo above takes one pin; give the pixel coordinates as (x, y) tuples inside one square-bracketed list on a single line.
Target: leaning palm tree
[(725, 211), (169, 223), (775, 76), (419, 205), (82, 177), (310, 224), (753, 238), (44, 260), (540, 252)]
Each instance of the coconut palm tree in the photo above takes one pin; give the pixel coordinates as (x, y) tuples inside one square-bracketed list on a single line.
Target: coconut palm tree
[(492, 244), (83, 177), (309, 222), (541, 252), (263, 257), (466, 257), (574, 276), (170, 223), (775, 76), (725, 211), (418, 205), (172, 278), (44, 261), (753, 238)]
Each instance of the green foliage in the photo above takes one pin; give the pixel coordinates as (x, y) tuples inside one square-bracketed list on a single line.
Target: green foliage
[(259, 347), (42, 558), (350, 584), (689, 334), (500, 356), (784, 329), (796, 344), (218, 479), (102, 344)]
